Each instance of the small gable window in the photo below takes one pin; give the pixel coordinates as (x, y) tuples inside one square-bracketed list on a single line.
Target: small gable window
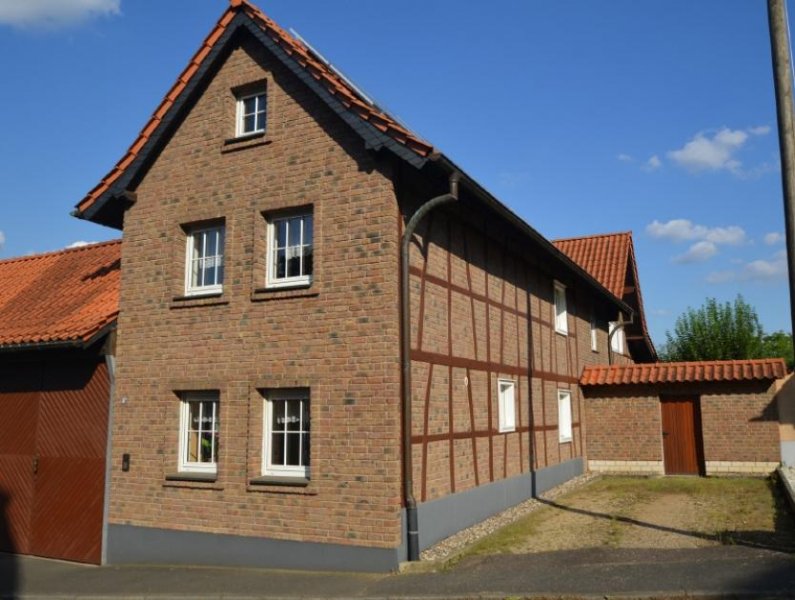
[(251, 112)]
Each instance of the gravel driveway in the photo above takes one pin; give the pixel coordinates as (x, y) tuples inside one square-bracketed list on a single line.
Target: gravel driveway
[(661, 513)]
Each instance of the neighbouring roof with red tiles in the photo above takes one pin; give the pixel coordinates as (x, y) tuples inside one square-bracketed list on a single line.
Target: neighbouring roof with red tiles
[(61, 297), (603, 256), (685, 372), (336, 85), (606, 257)]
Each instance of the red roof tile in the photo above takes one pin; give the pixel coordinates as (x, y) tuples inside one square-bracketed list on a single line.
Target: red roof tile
[(685, 372), (66, 296), (603, 256), (334, 84)]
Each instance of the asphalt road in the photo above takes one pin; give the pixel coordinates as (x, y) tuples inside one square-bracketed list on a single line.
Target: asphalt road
[(724, 571)]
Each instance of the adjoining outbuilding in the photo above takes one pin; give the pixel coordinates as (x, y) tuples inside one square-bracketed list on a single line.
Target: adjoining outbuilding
[(57, 317), (697, 418)]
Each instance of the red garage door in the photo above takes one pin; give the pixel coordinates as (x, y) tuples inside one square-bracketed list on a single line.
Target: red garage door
[(53, 434)]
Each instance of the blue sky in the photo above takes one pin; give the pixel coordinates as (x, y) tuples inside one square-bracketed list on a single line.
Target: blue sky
[(584, 117)]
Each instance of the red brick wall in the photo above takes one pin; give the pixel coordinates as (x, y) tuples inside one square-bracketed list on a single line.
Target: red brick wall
[(739, 421), (740, 424), (339, 338), (625, 427)]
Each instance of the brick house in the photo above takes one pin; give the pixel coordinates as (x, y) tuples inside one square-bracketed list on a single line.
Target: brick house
[(294, 255), (57, 315)]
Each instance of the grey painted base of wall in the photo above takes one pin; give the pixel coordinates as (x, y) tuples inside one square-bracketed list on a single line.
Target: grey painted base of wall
[(129, 544), (442, 518), (788, 453), (438, 519)]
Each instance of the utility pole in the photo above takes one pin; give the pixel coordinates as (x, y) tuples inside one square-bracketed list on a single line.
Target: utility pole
[(782, 76)]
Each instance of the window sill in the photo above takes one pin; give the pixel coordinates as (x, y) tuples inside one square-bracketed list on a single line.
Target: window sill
[(250, 140), (282, 480), (563, 333), (206, 477), (277, 293), (198, 481), (209, 299)]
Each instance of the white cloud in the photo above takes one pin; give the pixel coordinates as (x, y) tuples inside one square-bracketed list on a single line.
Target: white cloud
[(773, 238), (698, 252), (761, 270), (760, 130), (625, 158), (53, 14), (79, 244), (652, 164), (2, 239), (718, 277), (715, 153), (681, 230)]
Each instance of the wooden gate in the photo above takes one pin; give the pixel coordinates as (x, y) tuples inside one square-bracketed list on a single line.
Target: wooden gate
[(53, 433), (681, 432)]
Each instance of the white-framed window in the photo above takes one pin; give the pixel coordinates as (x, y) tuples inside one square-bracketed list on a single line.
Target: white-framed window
[(199, 429), (561, 314), (617, 339), (564, 416), (290, 250), (506, 398), (251, 114), (204, 260), (286, 434), (594, 335)]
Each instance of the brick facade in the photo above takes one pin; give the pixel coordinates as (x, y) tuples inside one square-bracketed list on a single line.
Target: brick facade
[(739, 426), (338, 338)]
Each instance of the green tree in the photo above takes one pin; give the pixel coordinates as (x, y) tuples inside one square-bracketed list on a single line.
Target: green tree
[(779, 345), (716, 331)]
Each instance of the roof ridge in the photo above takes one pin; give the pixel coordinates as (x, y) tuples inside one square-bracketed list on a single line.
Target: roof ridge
[(687, 363), (84, 247), (593, 235)]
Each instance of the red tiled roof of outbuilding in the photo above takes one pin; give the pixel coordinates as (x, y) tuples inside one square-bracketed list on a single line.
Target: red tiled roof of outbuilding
[(335, 84), (67, 296), (685, 372)]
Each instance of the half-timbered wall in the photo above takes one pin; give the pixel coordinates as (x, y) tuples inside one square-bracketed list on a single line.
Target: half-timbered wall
[(483, 310)]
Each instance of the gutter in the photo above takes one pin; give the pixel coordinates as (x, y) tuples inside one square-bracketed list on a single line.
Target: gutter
[(413, 537), (61, 344)]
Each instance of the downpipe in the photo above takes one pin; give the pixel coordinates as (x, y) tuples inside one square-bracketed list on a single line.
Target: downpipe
[(412, 522)]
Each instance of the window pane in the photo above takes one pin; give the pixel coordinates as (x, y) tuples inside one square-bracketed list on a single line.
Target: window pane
[(281, 233), (293, 415), (308, 229), (279, 416), (305, 448), (211, 248), (308, 260), (248, 123), (281, 263), (293, 449), (249, 105), (277, 449), (261, 121), (206, 447), (294, 232), (195, 417), (193, 446), (293, 262)]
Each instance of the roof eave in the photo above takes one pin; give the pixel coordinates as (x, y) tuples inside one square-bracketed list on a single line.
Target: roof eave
[(104, 210), (492, 202)]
